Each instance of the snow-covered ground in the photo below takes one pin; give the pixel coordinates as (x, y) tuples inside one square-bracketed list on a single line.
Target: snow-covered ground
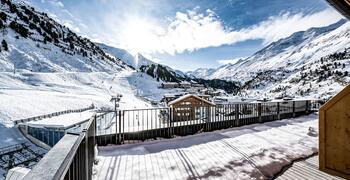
[(250, 152), (64, 120), (27, 94)]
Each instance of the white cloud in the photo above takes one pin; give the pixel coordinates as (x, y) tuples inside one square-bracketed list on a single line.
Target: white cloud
[(229, 61), (55, 3), (285, 25), (191, 30)]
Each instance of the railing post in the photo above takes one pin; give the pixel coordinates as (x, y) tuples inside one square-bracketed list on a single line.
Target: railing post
[(117, 139), (237, 114), (169, 122), (121, 138), (307, 107), (294, 109), (278, 111), (171, 118), (209, 118), (86, 155), (259, 113)]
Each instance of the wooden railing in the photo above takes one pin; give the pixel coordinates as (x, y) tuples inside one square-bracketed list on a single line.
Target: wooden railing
[(71, 158)]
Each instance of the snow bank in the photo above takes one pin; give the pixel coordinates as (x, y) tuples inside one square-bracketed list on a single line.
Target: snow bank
[(251, 152), (27, 94)]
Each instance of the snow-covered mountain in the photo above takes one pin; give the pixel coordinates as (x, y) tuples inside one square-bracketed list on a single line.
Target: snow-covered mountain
[(263, 73), (37, 43), (136, 61), (201, 72)]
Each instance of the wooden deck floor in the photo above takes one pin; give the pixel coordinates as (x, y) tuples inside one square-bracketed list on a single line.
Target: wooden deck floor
[(306, 169)]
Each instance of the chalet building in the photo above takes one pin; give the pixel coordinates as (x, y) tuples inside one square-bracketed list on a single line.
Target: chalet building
[(190, 107), (196, 84), (185, 84), (171, 97), (170, 85)]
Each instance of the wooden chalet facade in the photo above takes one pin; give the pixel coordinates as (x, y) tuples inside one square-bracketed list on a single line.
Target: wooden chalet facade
[(190, 107)]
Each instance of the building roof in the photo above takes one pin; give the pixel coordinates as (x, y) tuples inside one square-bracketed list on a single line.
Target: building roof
[(170, 83), (185, 82), (188, 96)]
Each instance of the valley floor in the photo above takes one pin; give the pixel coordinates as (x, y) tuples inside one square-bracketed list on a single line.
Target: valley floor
[(256, 151)]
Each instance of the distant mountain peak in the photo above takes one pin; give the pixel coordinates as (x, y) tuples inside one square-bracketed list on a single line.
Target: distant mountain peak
[(136, 61)]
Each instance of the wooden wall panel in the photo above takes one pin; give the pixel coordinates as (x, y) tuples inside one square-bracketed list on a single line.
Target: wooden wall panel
[(334, 127)]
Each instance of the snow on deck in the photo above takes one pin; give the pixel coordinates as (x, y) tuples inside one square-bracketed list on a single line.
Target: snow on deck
[(256, 151), (64, 120), (306, 169)]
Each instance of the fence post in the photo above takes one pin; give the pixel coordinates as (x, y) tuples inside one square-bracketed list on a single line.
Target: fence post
[(237, 114), (307, 106), (259, 112), (168, 121), (209, 118), (293, 109), (117, 139), (120, 126), (278, 111), (86, 158), (95, 132)]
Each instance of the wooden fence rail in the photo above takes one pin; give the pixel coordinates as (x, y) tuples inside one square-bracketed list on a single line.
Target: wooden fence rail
[(36, 118), (71, 158)]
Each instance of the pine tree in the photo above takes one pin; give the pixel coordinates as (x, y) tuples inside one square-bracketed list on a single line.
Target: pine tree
[(4, 45)]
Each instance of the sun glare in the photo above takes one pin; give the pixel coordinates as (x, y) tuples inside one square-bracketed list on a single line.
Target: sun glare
[(141, 35)]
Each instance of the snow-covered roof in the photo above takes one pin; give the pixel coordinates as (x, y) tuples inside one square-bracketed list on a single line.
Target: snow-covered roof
[(188, 96), (185, 82), (170, 83), (175, 94)]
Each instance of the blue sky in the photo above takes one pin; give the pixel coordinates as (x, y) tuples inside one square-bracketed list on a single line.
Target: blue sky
[(189, 34)]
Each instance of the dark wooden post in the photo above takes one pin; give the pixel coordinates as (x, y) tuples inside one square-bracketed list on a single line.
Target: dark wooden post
[(116, 127), (259, 113), (209, 118), (121, 138), (293, 109), (86, 154), (307, 106), (237, 114), (278, 111), (170, 118)]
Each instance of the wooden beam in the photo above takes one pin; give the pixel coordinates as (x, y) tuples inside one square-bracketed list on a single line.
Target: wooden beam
[(343, 6)]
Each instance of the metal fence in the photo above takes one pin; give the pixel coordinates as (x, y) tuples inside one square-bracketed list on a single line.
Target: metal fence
[(71, 158), (130, 126), (36, 118), (51, 135)]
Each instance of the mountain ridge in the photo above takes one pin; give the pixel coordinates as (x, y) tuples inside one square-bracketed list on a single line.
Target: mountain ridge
[(287, 59), (38, 43)]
